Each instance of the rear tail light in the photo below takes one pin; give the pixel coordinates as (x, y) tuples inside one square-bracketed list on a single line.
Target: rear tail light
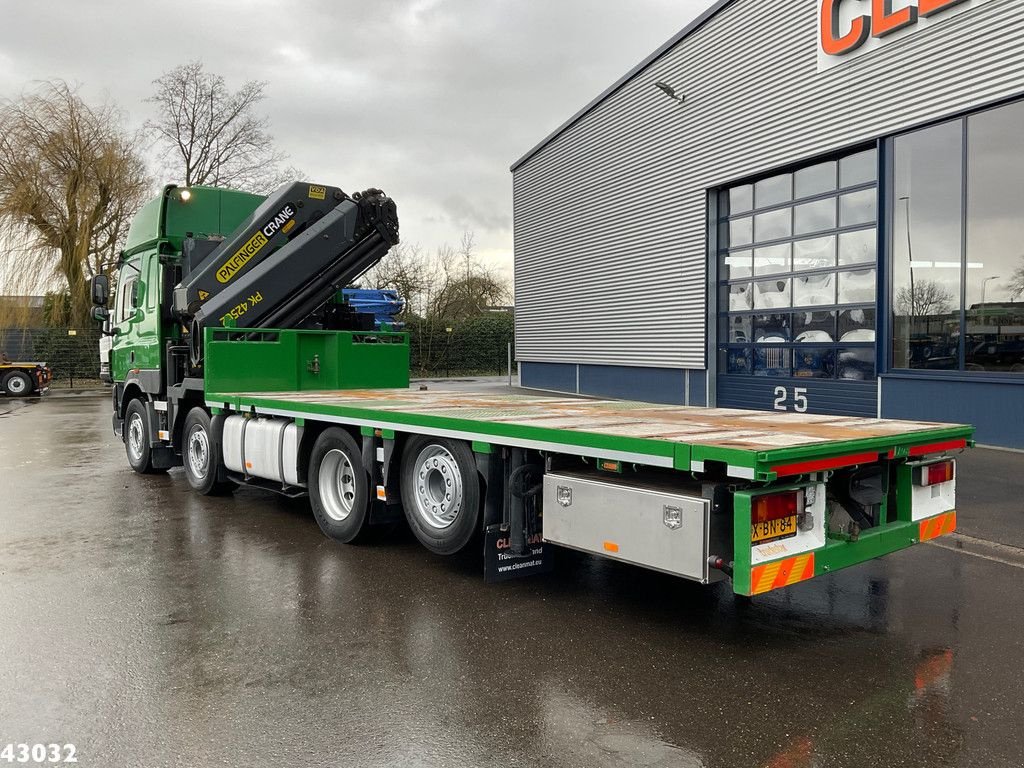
[(777, 506), (934, 474)]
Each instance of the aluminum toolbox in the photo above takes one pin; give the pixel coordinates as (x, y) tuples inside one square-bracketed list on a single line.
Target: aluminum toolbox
[(657, 528)]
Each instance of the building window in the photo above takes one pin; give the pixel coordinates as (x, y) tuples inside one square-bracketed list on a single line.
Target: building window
[(957, 253), (798, 272)]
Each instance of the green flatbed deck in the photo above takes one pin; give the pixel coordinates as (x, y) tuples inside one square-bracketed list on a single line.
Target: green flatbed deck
[(752, 445)]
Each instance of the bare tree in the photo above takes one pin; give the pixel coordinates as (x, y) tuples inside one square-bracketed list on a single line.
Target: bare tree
[(70, 178), (214, 136), (928, 298), (1017, 281), (406, 270), (463, 286)]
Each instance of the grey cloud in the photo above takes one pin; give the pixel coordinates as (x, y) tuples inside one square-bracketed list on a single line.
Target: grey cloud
[(431, 100)]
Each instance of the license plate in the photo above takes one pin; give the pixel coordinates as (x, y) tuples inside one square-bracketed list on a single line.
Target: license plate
[(773, 530)]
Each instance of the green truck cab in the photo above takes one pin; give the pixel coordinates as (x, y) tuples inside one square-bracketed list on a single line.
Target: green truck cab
[(152, 263)]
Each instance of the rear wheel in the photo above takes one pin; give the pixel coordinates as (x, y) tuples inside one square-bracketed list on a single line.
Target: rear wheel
[(137, 439), (441, 493), (17, 384), (201, 455), (339, 487)]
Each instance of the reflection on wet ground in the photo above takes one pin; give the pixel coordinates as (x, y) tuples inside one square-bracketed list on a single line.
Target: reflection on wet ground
[(153, 627)]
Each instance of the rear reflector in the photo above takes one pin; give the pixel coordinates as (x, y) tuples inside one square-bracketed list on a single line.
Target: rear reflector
[(776, 506), (934, 474)]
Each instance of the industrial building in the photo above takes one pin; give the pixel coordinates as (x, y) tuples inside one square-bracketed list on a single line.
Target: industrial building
[(814, 206)]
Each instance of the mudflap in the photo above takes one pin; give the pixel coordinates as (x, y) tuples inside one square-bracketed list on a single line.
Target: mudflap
[(501, 565)]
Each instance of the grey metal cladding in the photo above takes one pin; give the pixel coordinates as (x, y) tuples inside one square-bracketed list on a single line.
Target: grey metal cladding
[(610, 213)]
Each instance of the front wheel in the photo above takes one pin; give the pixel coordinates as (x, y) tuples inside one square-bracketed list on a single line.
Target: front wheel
[(202, 456), (441, 493), (339, 487), (137, 439), (17, 384)]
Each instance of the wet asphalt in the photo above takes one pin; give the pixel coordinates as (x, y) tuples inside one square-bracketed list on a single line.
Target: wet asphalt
[(151, 627)]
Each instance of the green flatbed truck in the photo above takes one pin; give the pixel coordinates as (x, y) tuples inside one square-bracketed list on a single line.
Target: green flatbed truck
[(230, 357)]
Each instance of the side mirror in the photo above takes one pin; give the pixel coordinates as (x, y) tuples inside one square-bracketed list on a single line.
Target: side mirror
[(100, 290), (100, 314)]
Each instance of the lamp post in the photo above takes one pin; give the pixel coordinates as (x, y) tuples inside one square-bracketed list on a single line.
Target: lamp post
[(910, 261), (984, 287)]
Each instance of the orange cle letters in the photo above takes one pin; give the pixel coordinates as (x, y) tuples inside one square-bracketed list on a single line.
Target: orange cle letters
[(882, 22)]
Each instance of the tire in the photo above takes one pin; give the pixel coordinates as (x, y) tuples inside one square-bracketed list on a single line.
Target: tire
[(137, 439), (441, 493), (201, 455), (17, 384), (339, 487)]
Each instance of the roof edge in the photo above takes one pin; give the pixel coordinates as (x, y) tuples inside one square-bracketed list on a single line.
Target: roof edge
[(689, 29)]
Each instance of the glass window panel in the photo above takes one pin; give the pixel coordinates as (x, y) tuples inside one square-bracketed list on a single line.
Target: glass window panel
[(741, 232), (773, 191), (775, 225), (814, 254), (816, 180), (857, 287), (994, 336), (741, 199), (772, 294), (769, 361), (814, 363), (738, 361), (858, 169), (860, 247), (772, 329), (740, 298), (815, 217), (738, 264), (773, 259), (738, 329), (814, 290), (926, 247), (857, 325), (857, 364), (858, 208), (814, 327)]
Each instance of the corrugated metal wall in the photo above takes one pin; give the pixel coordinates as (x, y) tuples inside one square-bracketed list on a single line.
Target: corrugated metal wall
[(610, 217)]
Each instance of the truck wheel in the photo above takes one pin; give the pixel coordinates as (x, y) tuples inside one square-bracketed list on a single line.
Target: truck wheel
[(201, 456), (339, 487), (137, 439), (440, 493), (17, 384)]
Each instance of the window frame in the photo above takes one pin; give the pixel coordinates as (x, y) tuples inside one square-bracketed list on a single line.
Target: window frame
[(886, 318), (724, 349)]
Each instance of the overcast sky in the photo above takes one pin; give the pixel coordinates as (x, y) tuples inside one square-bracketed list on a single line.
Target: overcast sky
[(431, 100)]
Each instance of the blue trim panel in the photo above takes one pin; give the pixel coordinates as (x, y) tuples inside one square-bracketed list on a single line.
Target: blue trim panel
[(995, 408), (824, 396), (698, 387), (560, 377), (650, 385)]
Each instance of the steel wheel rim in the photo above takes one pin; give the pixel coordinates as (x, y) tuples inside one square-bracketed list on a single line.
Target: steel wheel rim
[(199, 452), (17, 385), (337, 485), (438, 490), (135, 435)]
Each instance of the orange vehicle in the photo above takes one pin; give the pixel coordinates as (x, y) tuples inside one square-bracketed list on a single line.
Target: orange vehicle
[(18, 379)]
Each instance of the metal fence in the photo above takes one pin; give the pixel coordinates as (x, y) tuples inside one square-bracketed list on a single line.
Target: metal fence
[(474, 347), (72, 353)]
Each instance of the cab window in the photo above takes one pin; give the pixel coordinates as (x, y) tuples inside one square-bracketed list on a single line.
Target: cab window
[(126, 293)]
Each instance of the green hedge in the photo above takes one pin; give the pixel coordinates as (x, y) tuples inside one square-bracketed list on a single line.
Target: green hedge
[(73, 353), (476, 346)]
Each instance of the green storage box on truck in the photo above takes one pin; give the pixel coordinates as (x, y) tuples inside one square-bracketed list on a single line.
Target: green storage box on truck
[(231, 357)]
